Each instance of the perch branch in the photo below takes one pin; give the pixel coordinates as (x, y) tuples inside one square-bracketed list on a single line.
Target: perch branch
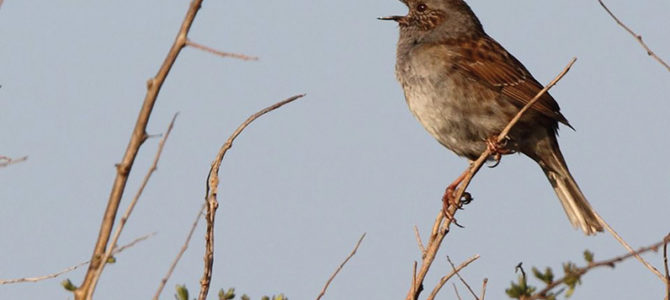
[(442, 225)]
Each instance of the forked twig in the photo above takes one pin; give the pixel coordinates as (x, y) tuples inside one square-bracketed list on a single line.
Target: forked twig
[(339, 268), (212, 191), (636, 36)]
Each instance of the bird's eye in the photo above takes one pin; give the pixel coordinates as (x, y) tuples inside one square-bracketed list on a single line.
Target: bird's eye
[(421, 7)]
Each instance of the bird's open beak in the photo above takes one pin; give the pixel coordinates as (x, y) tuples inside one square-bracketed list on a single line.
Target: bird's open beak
[(391, 18)]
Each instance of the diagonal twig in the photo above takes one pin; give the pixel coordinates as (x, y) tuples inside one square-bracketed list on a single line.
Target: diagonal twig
[(179, 255), (219, 53), (72, 268), (212, 191), (339, 268), (446, 278), (605, 263), (461, 278), (635, 35), (6, 161)]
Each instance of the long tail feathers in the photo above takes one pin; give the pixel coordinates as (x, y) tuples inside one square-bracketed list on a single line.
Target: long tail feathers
[(574, 203)]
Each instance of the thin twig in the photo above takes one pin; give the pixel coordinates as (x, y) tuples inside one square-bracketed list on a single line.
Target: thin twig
[(137, 138), (419, 242), (353, 252), (486, 281), (441, 226), (414, 289), (212, 191), (665, 264), (180, 254), (446, 278), (605, 263), (131, 206), (71, 268), (219, 53), (636, 36), (461, 278), (456, 291), (6, 161), (628, 247)]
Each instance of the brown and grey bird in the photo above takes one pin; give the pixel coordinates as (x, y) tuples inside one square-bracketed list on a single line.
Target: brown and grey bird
[(464, 87)]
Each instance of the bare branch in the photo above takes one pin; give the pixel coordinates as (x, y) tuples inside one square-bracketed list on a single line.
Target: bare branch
[(353, 252), (6, 161), (419, 242), (636, 36), (212, 191), (442, 225), (137, 138), (220, 53), (486, 281), (665, 263), (129, 209), (446, 278), (605, 263), (461, 278), (71, 268), (458, 296), (628, 247), (180, 254)]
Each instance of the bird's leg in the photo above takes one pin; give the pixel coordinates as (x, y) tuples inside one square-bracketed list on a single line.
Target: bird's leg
[(449, 195), (498, 149)]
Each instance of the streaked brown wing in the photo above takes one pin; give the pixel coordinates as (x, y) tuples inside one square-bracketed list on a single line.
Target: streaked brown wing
[(485, 60)]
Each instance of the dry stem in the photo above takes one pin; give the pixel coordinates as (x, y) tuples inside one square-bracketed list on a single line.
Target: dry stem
[(212, 190), (72, 268), (180, 254), (353, 252), (138, 137), (220, 53), (6, 161), (446, 278), (441, 226), (609, 263), (461, 278), (636, 36), (129, 209)]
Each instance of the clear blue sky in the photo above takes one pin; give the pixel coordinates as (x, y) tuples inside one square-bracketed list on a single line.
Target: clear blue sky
[(301, 185)]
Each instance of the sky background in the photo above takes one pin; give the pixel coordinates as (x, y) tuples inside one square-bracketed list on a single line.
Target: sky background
[(302, 184)]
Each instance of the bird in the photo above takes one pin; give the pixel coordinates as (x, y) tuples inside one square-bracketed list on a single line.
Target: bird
[(464, 88)]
